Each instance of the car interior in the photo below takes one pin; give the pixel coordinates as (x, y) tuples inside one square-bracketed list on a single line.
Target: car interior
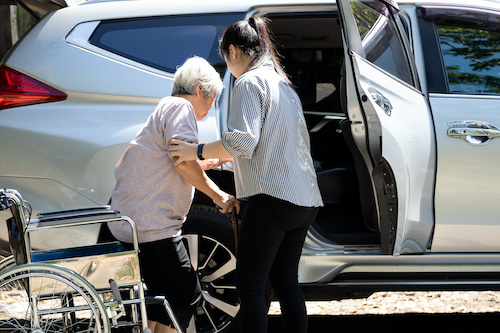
[(311, 50)]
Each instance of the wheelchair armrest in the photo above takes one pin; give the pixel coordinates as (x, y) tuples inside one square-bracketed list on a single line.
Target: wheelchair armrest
[(79, 215)]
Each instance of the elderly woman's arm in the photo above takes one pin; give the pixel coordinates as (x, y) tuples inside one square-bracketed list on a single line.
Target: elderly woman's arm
[(194, 174)]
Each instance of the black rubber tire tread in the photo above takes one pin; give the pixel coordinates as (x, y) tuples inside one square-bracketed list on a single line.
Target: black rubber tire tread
[(208, 221), (214, 224)]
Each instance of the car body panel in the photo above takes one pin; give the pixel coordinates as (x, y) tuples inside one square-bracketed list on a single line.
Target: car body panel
[(93, 102), (60, 164), (465, 181), (405, 134), (463, 210)]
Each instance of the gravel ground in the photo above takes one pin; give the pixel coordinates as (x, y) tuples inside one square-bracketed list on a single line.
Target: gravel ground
[(406, 302)]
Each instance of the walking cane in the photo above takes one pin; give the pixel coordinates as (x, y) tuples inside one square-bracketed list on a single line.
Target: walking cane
[(234, 222)]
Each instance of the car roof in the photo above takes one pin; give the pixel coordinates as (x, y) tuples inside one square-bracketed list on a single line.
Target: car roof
[(240, 5), (494, 4), (196, 6)]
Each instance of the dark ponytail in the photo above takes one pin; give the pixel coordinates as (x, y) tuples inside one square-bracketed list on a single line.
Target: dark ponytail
[(253, 37)]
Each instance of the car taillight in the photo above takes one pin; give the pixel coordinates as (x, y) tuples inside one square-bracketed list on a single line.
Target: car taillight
[(17, 89)]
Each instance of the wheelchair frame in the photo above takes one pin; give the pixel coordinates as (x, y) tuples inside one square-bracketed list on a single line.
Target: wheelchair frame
[(89, 288)]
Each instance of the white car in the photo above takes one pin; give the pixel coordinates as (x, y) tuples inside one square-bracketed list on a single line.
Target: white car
[(402, 103)]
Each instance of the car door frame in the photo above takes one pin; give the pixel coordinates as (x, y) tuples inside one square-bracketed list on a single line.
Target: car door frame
[(405, 207)]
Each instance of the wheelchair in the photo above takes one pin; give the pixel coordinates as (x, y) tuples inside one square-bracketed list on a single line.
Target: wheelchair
[(88, 288)]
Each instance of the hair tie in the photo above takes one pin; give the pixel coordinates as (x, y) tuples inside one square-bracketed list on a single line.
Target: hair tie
[(251, 21)]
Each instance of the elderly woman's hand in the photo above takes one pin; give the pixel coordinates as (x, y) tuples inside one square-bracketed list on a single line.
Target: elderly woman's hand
[(227, 203), (213, 163), (182, 151)]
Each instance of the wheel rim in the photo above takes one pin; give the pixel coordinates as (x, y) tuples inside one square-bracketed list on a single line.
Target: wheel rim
[(55, 304), (7, 263), (215, 265)]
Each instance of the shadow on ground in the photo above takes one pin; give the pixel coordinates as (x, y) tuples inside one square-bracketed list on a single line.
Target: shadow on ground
[(458, 322)]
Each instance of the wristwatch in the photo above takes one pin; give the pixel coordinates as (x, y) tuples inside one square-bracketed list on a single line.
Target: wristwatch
[(200, 151)]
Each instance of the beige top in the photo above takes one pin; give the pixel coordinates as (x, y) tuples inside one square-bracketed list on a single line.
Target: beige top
[(148, 187)]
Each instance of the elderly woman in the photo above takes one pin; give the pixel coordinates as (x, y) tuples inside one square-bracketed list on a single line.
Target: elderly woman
[(157, 194)]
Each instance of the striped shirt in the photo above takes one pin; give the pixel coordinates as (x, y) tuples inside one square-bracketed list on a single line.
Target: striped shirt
[(269, 141)]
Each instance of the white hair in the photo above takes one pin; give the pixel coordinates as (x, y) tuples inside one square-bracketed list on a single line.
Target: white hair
[(194, 71)]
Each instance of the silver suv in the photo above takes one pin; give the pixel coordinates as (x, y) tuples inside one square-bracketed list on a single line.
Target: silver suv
[(401, 101)]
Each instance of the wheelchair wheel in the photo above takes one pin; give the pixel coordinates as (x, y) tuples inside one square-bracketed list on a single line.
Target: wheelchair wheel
[(7, 263), (45, 298)]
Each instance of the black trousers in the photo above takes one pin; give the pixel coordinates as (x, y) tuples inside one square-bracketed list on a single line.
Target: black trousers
[(270, 242), (167, 271)]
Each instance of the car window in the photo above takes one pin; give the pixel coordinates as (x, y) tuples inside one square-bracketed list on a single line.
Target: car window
[(165, 42), (380, 38), (471, 54)]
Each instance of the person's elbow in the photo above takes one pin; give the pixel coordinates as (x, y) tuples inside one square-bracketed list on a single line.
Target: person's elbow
[(241, 149), (187, 167)]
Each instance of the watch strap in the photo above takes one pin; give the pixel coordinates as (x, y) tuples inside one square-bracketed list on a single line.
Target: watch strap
[(200, 151)]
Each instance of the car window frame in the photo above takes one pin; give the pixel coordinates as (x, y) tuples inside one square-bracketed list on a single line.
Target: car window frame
[(83, 32), (435, 66), (403, 40)]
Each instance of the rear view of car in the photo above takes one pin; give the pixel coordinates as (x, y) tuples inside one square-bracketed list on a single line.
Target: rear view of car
[(78, 88)]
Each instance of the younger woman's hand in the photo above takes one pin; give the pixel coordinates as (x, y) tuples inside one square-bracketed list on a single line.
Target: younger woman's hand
[(182, 151)]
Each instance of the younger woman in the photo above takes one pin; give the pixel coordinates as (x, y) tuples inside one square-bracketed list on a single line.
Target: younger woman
[(273, 170)]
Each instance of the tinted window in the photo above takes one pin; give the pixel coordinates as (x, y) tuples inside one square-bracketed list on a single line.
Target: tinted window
[(165, 42), (380, 38), (471, 53)]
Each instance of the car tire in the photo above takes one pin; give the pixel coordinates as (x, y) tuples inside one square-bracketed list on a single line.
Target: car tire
[(211, 247)]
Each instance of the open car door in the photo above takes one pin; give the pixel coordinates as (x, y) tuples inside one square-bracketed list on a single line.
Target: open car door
[(390, 123)]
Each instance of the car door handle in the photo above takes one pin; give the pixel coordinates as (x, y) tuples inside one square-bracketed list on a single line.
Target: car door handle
[(381, 100), (473, 132)]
